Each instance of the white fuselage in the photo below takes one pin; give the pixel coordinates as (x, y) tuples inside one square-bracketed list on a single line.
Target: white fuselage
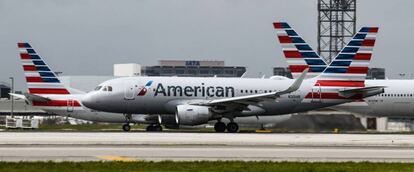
[(163, 94), (397, 100)]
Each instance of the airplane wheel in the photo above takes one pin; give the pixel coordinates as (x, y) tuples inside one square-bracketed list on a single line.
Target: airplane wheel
[(158, 128), (220, 127), (150, 128), (126, 127), (232, 127), (154, 128)]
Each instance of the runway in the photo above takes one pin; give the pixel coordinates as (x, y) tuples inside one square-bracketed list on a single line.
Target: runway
[(70, 146)]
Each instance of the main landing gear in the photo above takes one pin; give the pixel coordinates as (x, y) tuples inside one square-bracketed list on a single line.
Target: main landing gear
[(220, 127), (232, 127), (154, 127)]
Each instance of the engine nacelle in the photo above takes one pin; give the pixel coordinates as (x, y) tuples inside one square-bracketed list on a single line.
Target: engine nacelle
[(192, 114)]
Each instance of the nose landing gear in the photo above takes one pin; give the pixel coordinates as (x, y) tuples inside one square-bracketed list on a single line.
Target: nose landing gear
[(126, 127)]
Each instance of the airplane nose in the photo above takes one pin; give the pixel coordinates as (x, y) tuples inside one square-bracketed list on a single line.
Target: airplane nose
[(87, 101)]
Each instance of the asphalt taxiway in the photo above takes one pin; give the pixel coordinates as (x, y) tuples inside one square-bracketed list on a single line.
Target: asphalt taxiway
[(86, 146)]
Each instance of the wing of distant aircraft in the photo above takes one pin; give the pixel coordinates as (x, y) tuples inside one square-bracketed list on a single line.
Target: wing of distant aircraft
[(30, 97), (361, 91), (256, 98)]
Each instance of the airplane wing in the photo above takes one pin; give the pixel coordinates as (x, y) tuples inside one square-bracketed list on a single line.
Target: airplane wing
[(256, 98)]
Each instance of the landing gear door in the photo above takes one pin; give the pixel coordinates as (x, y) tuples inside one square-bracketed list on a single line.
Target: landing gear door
[(316, 94), (70, 105), (130, 90)]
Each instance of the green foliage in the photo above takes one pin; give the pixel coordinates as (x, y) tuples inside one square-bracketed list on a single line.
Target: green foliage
[(207, 166)]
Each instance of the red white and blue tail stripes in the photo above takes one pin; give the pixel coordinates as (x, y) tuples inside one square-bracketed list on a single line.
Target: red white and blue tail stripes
[(348, 69), (298, 53), (39, 77), (352, 62)]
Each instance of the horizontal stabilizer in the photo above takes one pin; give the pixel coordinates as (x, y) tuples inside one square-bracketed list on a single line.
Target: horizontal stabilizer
[(30, 97), (364, 92)]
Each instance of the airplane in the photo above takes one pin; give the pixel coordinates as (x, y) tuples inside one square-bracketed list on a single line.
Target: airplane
[(397, 100), (195, 100), (47, 92)]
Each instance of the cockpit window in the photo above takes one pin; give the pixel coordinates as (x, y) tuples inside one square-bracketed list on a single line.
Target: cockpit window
[(98, 88), (104, 88)]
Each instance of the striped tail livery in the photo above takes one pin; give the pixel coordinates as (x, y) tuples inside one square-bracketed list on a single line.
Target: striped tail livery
[(39, 77), (344, 77), (44, 89), (363, 42), (299, 55)]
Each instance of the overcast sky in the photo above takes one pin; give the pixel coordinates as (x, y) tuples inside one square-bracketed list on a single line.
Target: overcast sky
[(86, 37)]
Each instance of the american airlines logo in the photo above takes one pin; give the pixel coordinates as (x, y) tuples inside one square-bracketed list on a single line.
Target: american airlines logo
[(144, 89)]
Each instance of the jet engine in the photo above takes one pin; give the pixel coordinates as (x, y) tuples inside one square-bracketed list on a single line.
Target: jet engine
[(192, 114)]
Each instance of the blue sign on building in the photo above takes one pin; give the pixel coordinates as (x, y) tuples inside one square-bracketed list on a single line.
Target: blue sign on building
[(192, 63)]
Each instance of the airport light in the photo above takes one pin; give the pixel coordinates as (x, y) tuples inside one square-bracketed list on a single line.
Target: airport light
[(12, 91)]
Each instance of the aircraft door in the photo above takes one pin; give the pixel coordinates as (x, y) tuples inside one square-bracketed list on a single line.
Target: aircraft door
[(70, 105), (130, 90), (316, 94)]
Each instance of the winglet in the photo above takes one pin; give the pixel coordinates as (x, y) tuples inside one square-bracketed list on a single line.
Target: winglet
[(296, 85)]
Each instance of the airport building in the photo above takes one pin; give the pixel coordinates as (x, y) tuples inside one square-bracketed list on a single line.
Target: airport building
[(182, 68), (193, 68)]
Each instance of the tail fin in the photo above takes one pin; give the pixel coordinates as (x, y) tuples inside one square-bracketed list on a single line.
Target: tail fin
[(299, 55), (40, 79), (352, 62), (344, 78)]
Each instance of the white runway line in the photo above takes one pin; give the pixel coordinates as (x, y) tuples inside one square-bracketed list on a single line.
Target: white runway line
[(269, 139), (90, 146)]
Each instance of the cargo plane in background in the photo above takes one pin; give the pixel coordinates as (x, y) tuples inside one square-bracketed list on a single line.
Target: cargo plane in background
[(195, 100), (397, 100)]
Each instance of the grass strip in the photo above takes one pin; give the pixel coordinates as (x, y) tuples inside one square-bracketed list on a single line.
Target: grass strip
[(208, 166)]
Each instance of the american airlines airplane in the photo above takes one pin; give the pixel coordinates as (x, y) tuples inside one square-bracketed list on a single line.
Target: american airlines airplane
[(46, 92), (398, 96), (196, 101)]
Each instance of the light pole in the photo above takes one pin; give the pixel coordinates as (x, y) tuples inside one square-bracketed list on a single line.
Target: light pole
[(12, 91)]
